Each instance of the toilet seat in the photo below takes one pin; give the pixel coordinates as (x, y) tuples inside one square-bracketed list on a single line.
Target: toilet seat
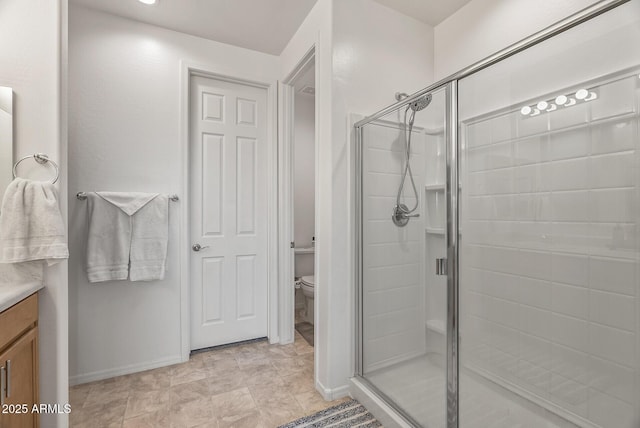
[(309, 281), (307, 285)]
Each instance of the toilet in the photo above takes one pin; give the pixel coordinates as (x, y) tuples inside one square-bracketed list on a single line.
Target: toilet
[(307, 285)]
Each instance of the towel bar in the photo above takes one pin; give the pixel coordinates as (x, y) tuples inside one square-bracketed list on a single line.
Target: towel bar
[(82, 196)]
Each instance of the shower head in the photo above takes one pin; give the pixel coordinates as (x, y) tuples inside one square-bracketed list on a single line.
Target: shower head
[(421, 103), (402, 213), (401, 96)]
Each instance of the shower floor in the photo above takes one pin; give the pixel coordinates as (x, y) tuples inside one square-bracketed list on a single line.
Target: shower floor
[(419, 387)]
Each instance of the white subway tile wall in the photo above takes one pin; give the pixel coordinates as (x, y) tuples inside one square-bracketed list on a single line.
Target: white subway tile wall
[(393, 257), (550, 257)]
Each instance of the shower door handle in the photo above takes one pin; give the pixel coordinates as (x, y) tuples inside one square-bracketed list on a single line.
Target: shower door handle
[(441, 266)]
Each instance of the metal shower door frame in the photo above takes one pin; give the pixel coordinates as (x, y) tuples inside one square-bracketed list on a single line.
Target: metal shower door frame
[(452, 199), (452, 196), (450, 89)]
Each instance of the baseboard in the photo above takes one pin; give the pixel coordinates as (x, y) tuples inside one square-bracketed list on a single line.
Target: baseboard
[(119, 371), (331, 394)]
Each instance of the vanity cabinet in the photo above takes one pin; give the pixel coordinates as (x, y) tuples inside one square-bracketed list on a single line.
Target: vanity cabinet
[(19, 364)]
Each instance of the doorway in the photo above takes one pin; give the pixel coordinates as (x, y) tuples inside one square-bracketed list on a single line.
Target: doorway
[(298, 201), (304, 201)]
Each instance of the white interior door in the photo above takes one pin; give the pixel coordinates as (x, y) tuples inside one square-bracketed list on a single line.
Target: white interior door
[(228, 173)]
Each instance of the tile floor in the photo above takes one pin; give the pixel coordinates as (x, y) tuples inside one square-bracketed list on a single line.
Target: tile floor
[(254, 385)]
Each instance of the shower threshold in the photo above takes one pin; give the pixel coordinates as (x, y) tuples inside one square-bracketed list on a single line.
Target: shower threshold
[(418, 387)]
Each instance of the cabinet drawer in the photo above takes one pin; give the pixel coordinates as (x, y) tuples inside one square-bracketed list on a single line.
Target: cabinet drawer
[(17, 319)]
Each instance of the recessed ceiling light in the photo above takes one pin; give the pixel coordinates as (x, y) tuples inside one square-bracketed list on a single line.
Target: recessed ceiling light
[(309, 90), (148, 1)]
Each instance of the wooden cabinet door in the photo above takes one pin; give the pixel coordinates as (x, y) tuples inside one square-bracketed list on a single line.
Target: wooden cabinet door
[(22, 381)]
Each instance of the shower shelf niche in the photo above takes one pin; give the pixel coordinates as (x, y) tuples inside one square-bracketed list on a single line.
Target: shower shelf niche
[(434, 187), (434, 230), (435, 208)]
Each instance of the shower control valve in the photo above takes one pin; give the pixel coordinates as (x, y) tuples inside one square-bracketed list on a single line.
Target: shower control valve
[(401, 215)]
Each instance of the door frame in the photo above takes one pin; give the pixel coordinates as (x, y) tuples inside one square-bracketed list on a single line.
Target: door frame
[(187, 70), (286, 122)]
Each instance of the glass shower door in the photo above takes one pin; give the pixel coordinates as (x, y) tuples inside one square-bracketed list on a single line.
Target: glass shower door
[(402, 339), (550, 232)]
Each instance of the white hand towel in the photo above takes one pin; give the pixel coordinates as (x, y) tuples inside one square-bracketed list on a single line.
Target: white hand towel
[(129, 202), (31, 226), (108, 240), (150, 236), (128, 236)]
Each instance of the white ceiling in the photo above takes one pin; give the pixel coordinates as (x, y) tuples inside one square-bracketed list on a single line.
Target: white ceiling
[(261, 25), (430, 12)]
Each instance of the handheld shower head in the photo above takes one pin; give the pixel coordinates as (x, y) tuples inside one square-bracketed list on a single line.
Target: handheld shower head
[(402, 213), (421, 103)]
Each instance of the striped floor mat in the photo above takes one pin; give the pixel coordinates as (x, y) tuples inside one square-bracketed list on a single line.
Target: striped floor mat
[(349, 414)]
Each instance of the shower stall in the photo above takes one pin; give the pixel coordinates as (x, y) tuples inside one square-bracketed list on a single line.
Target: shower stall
[(498, 238)]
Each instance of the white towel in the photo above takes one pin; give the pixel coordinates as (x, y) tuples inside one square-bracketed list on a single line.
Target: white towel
[(128, 235), (31, 226), (149, 239), (108, 240)]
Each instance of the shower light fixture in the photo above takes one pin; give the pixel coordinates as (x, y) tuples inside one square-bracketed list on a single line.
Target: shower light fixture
[(582, 94), (564, 101), (561, 100), (585, 95), (558, 102), (148, 1)]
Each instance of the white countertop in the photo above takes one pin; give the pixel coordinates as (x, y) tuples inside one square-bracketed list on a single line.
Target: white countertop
[(19, 281), (10, 294)]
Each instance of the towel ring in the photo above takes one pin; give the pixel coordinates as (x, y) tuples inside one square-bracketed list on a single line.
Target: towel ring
[(41, 158)]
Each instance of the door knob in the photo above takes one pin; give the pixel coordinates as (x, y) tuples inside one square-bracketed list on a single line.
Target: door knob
[(198, 247)]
